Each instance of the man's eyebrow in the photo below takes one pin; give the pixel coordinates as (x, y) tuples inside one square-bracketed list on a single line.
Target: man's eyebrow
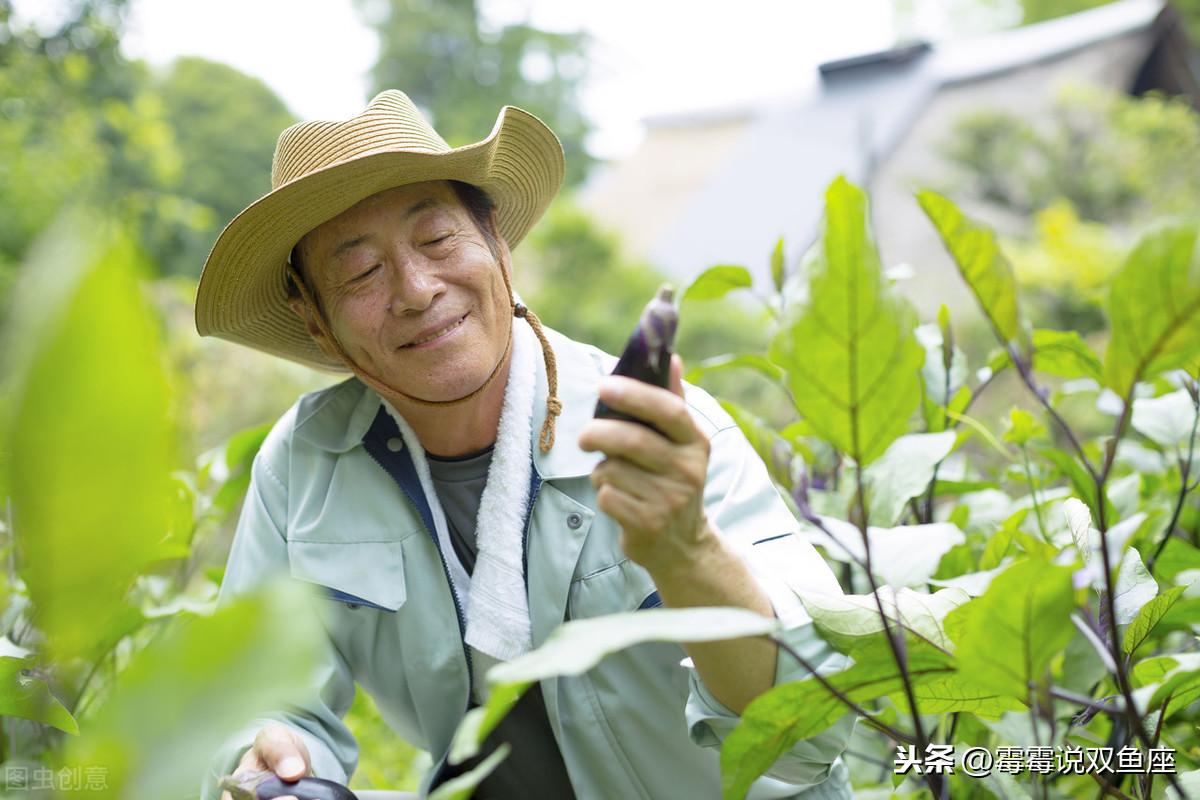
[(409, 213), (348, 245)]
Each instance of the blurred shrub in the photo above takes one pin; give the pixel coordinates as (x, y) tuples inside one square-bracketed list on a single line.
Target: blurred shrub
[(1065, 264), (174, 156), (1114, 158), (385, 761), (109, 632), (1086, 179)]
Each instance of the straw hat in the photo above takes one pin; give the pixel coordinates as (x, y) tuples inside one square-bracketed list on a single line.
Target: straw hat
[(321, 169)]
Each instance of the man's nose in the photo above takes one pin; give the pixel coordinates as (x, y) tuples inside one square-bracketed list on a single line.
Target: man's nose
[(415, 284)]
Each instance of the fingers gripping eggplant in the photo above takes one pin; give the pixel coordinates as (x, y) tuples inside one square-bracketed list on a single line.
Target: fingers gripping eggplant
[(647, 354), (267, 785)]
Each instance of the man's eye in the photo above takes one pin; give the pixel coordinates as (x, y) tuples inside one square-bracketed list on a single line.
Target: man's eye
[(363, 275), (439, 239)]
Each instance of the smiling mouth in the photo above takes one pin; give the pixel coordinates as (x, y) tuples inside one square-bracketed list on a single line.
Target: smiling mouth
[(437, 334)]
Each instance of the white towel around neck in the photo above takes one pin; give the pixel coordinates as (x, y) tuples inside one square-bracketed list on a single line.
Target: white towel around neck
[(497, 608)]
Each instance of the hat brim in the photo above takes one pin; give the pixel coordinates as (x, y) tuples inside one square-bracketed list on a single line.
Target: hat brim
[(242, 295)]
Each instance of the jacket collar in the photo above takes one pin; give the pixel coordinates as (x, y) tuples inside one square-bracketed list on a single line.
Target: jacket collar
[(338, 418)]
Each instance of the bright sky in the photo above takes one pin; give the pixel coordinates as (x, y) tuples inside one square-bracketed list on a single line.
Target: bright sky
[(649, 57)]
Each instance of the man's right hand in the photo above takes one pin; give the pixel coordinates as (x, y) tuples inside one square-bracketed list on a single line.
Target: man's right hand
[(279, 749)]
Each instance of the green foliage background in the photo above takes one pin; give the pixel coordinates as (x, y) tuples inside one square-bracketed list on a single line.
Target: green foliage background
[(113, 654)]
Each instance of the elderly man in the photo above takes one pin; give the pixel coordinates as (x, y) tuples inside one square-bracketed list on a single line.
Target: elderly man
[(455, 500)]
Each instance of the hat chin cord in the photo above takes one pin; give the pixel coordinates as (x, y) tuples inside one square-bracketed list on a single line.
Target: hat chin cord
[(553, 405)]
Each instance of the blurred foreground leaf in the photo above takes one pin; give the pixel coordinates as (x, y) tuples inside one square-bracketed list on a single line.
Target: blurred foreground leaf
[(852, 360), (23, 694), (88, 434), (903, 472), (1154, 308), (850, 621), (577, 646), (1006, 636), (187, 692), (980, 262)]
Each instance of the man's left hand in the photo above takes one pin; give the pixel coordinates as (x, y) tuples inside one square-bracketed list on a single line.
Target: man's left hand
[(652, 481)]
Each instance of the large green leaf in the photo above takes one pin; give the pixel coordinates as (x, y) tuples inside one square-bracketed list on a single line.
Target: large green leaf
[(1154, 308), (777, 719), (1134, 589), (1065, 354), (985, 269), (906, 555), (577, 646), (955, 693), (716, 282), (852, 361), (203, 680), (23, 693), (903, 472), (1167, 420), (1148, 616), (1008, 635), (88, 436), (849, 621), (1176, 681)]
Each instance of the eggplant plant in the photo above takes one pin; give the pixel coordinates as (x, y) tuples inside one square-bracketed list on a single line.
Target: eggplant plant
[(1019, 573), (1024, 585), (117, 677)]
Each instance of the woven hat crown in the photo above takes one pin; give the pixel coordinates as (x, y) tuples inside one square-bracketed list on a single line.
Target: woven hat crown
[(391, 122)]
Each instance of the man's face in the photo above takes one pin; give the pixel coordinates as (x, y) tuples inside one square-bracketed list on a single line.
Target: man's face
[(411, 290)]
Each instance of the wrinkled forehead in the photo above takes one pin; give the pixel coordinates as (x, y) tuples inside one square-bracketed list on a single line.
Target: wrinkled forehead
[(403, 201)]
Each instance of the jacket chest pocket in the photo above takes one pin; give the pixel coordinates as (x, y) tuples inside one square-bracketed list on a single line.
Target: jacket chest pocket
[(358, 574), (623, 586)]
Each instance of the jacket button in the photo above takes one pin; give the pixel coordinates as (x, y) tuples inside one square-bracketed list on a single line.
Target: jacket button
[(395, 444), (574, 520)]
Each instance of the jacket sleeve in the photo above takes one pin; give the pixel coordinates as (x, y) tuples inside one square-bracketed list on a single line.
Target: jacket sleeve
[(744, 505), (259, 552)]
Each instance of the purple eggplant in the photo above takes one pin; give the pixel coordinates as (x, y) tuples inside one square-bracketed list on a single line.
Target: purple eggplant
[(647, 354), (267, 785)]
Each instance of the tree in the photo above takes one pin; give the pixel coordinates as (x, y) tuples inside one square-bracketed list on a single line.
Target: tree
[(76, 125), (175, 157), (460, 72), (1042, 10), (224, 124), (1115, 159)]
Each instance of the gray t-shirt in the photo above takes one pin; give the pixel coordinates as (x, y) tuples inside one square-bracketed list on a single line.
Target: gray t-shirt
[(535, 767)]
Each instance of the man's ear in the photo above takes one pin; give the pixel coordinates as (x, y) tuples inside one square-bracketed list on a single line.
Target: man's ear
[(305, 313)]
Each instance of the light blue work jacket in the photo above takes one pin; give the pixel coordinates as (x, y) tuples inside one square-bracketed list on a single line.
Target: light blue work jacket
[(334, 501)]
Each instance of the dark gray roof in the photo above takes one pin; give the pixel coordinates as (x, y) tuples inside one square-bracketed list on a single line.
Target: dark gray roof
[(772, 180)]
